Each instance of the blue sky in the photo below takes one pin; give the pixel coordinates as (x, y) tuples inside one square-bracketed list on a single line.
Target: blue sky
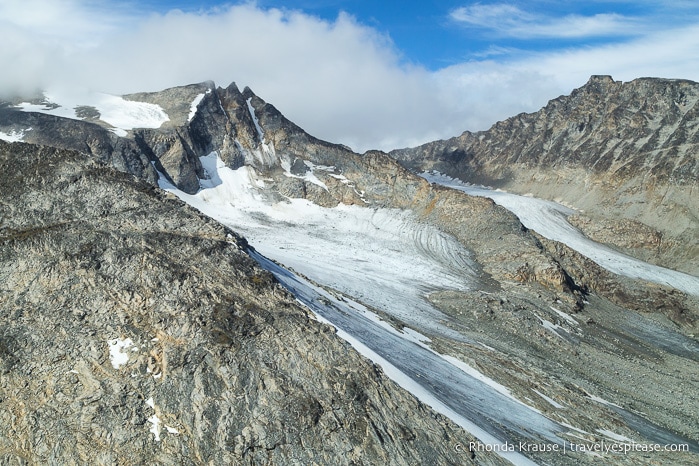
[(421, 30), (436, 34), (367, 74)]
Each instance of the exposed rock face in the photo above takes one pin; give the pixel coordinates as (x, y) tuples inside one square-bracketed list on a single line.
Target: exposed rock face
[(615, 150), (227, 121), (245, 130), (83, 136), (133, 330)]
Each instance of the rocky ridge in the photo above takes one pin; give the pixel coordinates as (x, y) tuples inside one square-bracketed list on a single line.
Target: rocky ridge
[(618, 152), (245, 130)]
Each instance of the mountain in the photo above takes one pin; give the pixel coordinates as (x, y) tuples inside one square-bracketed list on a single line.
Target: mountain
[(135, 330), (187, 330), (625, 155)]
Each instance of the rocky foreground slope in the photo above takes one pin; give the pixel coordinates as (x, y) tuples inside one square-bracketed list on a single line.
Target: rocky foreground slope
[(133, 330), (625, 154)]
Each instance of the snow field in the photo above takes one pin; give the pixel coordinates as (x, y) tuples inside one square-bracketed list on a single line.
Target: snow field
[(123, 115), (385, 258)]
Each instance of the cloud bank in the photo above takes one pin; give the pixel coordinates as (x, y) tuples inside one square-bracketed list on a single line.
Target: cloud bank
[(340, 80)]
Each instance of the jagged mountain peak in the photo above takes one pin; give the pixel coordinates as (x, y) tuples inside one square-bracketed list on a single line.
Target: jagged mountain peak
[(195, 120), (600, 78), (247, 92), (233, 88), (622, 128), (601, 94)]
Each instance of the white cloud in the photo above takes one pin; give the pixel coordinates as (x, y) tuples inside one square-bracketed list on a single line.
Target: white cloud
[(340, 80), (69, 22), (511, 21), (665, 54), (491, 16), (498, 90)]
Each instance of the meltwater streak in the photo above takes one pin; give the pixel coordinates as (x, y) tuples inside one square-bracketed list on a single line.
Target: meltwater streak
[(549, 220)]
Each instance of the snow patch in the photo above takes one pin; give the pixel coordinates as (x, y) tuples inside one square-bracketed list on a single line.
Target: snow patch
[(195, 104), (489, 348), (49, 109), (343, 179), (251, 109), (564, 316), (550, 400), (123, 115), (171, 430), (14, 136), (602, 401), (503, 390), (614, 436), (415, 336), (155, 427), (117, 354), (126, 114), (569, 426), (553, 327), (308, 176)]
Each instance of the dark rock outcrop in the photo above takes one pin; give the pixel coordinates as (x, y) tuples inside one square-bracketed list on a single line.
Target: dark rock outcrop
[(83, 136)]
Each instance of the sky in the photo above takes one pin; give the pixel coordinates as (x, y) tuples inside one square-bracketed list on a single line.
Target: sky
[(371, 75)]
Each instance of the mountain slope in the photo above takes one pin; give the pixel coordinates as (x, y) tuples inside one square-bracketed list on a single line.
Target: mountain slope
[(625, 154), (132, 329)]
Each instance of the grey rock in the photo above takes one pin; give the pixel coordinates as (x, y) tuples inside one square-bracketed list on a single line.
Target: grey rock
[(83, 136), (299, 167)]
